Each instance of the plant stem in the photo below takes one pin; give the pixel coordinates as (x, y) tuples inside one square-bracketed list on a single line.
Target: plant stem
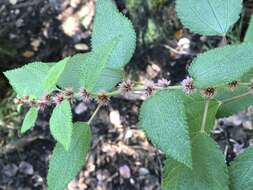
[(137, 89), (236, 97), (203, 124), (94, 114), (245, 83)]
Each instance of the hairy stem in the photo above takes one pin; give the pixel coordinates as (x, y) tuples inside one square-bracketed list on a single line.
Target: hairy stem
[(94, 114), (236, 97), (203, 124), (137, 89)]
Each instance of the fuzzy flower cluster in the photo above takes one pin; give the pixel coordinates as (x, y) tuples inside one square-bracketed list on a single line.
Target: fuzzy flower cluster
[(149, 87), (188, 86), (125, 87), (208, 92), (54, 99), (233, 85)]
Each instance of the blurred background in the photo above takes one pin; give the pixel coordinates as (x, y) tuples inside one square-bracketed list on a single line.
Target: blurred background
[(121, 157)]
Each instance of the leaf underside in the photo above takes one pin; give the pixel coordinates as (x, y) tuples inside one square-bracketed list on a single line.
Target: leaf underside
[(208, 17), (64, 165), (222, 65)]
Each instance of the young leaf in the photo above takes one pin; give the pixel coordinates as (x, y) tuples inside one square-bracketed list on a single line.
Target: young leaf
[(54, 74), (241, 171), (64, 165), (163, 118), (229, 108), (89, 70), (194, 109), (61, 124), (249, 34), (108, 24), (222, 65), (29, 120), (209, 171), (209, 17), (28, 80)]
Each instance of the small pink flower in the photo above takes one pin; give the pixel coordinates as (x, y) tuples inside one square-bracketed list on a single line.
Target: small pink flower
[(46, 99), (69, 94), (58, 98), (84, 95), (18, 101), (149, 88), (187, 84), (126, 86), (163, 82), (42, 105), (103, 100)]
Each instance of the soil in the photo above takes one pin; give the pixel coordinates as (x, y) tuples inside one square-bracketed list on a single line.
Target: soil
[(121, 157)]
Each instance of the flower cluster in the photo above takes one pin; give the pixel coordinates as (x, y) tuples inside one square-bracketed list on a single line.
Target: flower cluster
[(125, 87), (208, 92), (55, 98), (188, 86), (233, 85), (149, 87)]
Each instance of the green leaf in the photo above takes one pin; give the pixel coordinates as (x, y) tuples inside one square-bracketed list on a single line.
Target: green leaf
[(247, 77), (75, 71), (222, 65), (194, 109), (92, 70), (209, 17), (54, 74), (109, 78), (241, 171), (61, 124), (163, 118), (209, 171), (232, 107), (249, 34), (29, 120), (64, 165), (108, 24), (28, 80)]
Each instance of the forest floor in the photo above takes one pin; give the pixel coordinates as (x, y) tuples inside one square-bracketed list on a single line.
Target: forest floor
[(121, 157)]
